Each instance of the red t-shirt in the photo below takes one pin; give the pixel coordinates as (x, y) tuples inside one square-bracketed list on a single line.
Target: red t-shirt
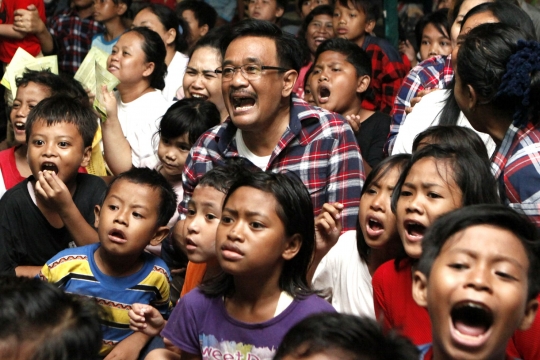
[(30, 42)]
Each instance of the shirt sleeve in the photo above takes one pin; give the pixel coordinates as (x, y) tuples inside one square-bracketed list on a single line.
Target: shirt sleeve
[(11, 246), (346, 176), (379, 300), (390, 77), (182, 327)]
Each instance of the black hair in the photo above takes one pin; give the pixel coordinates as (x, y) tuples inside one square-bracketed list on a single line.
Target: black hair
[(356, 56), (169, 20), (62, 109), (155, 52), (287, 46), (370, 8), (152, 178), (507, 12), (42, 77), (508, 83), (352, 337), (189, 116), (458, 137), (61, 326), (203, 12), (495, 215), (439, 19), (295, 210), (377, 173), (223, 177), (75, 90), (213, 39)]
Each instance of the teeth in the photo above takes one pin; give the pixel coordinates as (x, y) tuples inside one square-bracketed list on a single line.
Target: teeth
[(197, 96), (243, 107), (19, 125)]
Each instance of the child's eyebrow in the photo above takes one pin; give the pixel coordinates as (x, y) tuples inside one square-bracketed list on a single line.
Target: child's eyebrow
[(495, 259)]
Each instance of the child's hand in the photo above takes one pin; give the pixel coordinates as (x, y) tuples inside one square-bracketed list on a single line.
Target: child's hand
[(28, 20), (109, 100), (328, 227), (52, 190), (415, 100), (405, 47), (354, 122), (146, 319)]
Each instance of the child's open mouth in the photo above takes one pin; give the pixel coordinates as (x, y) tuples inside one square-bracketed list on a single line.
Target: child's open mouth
[(242, 102), (374, 227), (199, 96), (415, 230), (117, 236), (48, 166), (471, 323), (324, 94), (19, 125)]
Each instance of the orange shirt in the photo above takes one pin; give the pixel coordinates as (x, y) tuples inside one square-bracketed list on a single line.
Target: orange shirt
[(194, 276)]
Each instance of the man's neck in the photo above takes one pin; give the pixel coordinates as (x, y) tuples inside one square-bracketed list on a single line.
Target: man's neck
[(262, 142)]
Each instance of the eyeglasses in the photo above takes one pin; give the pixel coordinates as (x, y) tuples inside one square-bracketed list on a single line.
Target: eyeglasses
[(248, 71)]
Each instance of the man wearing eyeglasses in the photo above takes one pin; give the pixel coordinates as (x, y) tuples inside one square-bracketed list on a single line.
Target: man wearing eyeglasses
[(273, 129)]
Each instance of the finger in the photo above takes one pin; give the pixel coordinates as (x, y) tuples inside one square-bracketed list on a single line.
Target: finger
[(330, 220), (332, 209), (323, 225)]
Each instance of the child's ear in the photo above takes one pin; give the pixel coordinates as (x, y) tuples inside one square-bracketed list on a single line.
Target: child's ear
[(294, 243), (472, 98), (97, 210), (419, 288), (149, 69), (279, 12), (171, 35), (86, 156), (363, 83), (203, 30), (160, 234), (288, 82), (530, 314), (121, 9), (370, 25)]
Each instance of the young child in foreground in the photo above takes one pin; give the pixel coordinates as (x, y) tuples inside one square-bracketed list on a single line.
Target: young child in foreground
[(478, 277), (54, 207), (339, 82), (343, 265), (31, 311), (343, 337), (117, 272), (264, 244), (437, 180)]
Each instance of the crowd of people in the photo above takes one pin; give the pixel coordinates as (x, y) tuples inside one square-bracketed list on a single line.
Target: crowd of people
[(257, 191)]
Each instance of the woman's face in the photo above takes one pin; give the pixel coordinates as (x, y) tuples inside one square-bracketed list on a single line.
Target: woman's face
[(319, 30), (463, 10), (200, 79), (128, 61), (148, 19)]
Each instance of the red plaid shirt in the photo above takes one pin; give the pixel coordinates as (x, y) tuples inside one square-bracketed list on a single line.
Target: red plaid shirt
[(73, 37), (388, 72), (319, 146)]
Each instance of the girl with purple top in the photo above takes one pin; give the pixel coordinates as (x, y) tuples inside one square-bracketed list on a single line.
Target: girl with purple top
[(264, 244)]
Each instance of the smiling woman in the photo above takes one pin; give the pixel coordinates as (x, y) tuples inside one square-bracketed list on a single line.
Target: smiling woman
[(133, 111)]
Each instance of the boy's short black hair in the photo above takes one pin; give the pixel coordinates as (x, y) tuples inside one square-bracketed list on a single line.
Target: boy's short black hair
[(495, 215), (282, 4), (42, 77), (189, 116), (153, 179), (369, 7), (356, 56), (356, 338), (222, 177), (61, 108), (31, 310), (203, 12)]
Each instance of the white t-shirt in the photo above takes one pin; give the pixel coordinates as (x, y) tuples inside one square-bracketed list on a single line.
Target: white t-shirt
[(425, 114), (175, 75), (139, 120), (346, 278), (259, 161)]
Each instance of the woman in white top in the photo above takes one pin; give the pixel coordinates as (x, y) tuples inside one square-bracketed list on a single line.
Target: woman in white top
[(201, 81), (164, 21), (134, 110)]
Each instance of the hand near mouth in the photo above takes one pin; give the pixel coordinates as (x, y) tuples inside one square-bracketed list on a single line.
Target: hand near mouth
[(52, 192), (328, 227)]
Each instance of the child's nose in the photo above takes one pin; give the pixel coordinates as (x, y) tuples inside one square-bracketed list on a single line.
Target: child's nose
[(479, 278)]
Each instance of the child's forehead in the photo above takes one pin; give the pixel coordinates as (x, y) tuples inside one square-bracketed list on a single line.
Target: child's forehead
[(208, 194), (350, 5), (125, 188), (61, 125)]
